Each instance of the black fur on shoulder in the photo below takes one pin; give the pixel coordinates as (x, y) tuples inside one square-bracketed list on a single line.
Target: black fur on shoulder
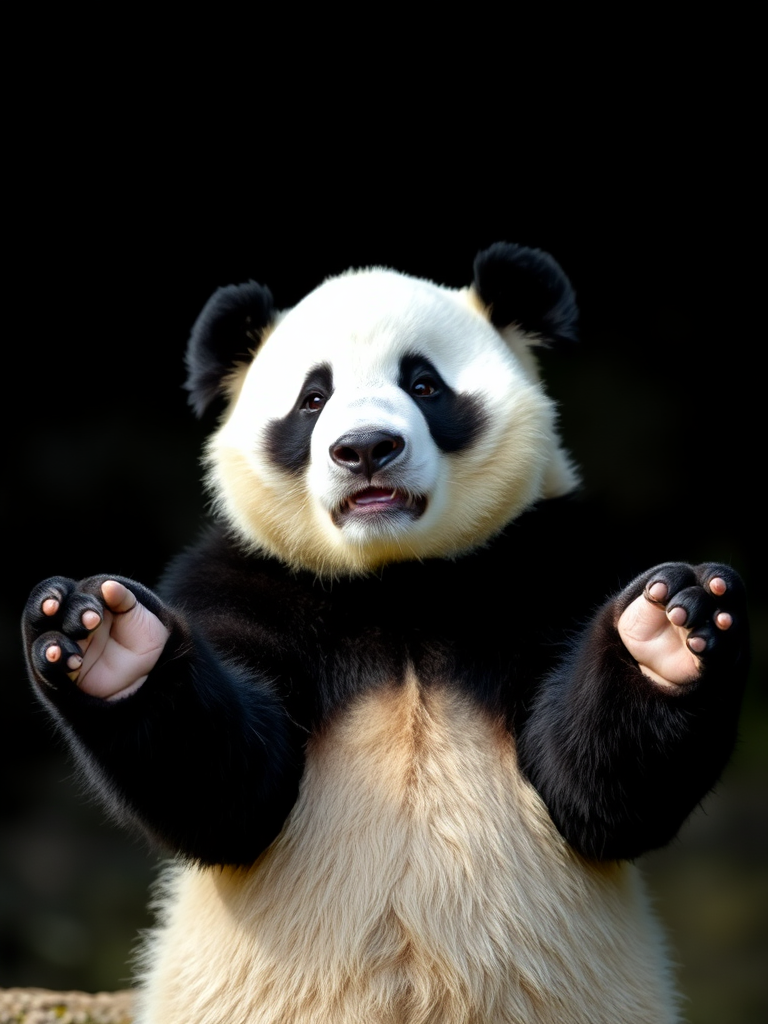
[(526, 287), (228, 328)]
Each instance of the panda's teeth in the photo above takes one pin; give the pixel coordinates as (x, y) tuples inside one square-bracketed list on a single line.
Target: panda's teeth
[(374, 503), (368, 498)]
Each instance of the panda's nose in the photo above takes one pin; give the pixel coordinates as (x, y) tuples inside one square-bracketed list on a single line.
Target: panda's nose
[(366, 451)]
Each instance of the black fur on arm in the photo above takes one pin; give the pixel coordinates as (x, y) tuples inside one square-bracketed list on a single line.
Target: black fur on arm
[(202, 758), (619, 761)]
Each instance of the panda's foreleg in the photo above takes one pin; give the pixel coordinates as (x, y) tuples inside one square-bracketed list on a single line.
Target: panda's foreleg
[(196, 751), (635, 726)]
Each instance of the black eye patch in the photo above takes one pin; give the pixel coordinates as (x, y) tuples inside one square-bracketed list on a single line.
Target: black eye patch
[(454, 420), (287, 440)]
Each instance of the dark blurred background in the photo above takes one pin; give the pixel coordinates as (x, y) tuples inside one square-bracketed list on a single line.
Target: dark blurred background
[(119, 229)]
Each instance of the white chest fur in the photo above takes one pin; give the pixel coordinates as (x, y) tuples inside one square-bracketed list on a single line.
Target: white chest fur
[(418, 880)]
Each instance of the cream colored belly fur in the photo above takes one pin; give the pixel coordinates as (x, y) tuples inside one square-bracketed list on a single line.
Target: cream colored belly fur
[(418, 880)]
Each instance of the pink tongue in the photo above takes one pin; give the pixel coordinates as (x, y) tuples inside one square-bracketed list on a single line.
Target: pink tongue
[(372, 495)]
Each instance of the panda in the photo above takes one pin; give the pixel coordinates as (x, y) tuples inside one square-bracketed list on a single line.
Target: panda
[(400, 753)]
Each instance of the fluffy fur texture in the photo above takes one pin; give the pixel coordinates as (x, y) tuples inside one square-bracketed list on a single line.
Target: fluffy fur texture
[(363, 326), (402, 766)]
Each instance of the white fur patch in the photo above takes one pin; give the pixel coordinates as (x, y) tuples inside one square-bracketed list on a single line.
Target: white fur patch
[(418, 880)]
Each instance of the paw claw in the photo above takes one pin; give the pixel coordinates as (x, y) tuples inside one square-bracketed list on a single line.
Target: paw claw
[(52, 654), (657, 591), (91, 619), (677, 616), (723, 620)]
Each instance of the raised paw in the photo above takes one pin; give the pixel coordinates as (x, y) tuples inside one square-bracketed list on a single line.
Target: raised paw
[(96, 634), (684, 618)]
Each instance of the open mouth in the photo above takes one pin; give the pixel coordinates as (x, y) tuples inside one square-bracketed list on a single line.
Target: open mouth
[(374, 502)]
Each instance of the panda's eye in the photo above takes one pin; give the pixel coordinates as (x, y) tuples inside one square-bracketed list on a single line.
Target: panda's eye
[(314, 402), (424, 387)]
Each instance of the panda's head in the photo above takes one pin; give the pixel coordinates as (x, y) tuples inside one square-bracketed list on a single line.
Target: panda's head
[(384, 417)]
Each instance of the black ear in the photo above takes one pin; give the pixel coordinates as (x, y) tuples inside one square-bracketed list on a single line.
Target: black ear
[(526, 287), (228, 328)]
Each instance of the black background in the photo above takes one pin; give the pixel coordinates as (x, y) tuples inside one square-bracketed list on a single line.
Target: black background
[(119, 227)]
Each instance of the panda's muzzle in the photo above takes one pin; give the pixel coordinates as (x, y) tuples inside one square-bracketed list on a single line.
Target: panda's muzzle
[(370, 453), (367, 452)]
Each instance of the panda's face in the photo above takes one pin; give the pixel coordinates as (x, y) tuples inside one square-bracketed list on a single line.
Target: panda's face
[(383, 418)]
